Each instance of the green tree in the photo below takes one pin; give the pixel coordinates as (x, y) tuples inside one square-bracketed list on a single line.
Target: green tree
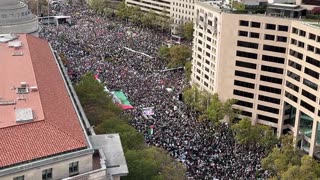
[(229, 111), (279, 159), (215, 111), (153, 164), (309, 169), (188, 30), (254, 135), (188, 70), (164, 52), (149, 19), (123, 11), (135, 14), (179, 54), (98, 5)]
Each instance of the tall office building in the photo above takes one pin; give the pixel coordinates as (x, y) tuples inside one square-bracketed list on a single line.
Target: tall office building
[(181, 11), (268, 64), (15, 17)]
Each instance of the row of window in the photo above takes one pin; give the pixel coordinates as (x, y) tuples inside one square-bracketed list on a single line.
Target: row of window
[(47, 174), (267, 25), (262, 77)]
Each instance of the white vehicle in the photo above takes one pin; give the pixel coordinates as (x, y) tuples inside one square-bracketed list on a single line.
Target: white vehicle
[(56, 20)]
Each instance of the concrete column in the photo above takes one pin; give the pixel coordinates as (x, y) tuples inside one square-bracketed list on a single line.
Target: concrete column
[(296, 126), (313, 136)]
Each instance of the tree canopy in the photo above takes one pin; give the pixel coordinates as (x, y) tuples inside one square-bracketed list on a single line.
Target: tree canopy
[(254, 135), (188, 30), (143, 162)]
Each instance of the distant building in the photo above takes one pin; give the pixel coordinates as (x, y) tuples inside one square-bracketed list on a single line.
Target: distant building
[(44, 131), (15, 17)]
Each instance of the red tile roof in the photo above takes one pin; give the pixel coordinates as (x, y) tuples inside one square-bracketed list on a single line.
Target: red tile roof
[(60, 131)]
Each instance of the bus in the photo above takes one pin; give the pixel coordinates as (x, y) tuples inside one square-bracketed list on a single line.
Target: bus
[(56, 20)]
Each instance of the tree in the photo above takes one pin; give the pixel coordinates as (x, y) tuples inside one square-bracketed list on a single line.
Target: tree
[(188, 30), (179, 54), (135, 14), (279, 160), (123, 11), (164, 52), (309, 169), (229, 111), (153, 164), (254, 135), (98, 5), (215, 111), (148, 19), (188, 70)]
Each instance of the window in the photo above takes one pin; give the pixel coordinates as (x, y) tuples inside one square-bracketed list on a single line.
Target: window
[(293, 75), (312, 61), (246, 113), (295, 30), (47, 174), (294, 65), (274, 48), (269, 37), (291, 97), (244, 23), (296, 54), (300, 44), (308, 95), (307, 106), (302, 33), (247, 44), (271, 79), (292, 86), (244, 84), (273, 59), (268, 109), (247, 55), (243, 33), (18, 178), (310, 48), (271, 26), (255, 24), (266, 118), (254, 35), (245, 74), (312, 36), (269, 99), (246, 64), (243, 94), (244, 103), (272, 69), (310, 84), (281, 39), (293, 41), (270, 89), (283, 28), (311, 73), (74, 168)]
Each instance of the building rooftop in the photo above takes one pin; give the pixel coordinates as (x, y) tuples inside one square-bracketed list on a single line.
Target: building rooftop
[(37, 117)]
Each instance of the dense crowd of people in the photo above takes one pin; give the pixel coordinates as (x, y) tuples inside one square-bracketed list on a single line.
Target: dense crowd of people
[(125, 57)]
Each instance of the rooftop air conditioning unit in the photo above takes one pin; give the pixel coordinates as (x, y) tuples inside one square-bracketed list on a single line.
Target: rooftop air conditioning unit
[(23, 84), (34, 88)]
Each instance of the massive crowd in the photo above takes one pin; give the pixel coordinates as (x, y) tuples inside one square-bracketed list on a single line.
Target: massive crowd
[(114, 50)]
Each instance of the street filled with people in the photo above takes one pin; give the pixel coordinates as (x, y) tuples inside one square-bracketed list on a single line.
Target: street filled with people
[(125, 57)]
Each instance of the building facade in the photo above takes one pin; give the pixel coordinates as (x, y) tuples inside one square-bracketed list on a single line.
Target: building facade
[(268, 64), (44, 131), (15, 17), (181, 11), (160, 7)]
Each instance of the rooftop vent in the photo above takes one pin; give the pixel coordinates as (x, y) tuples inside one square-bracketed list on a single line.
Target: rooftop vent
[(22, 90), (24, 115), (7, 37), (15, 44), (10, 102), (17, 54), (33, 88)]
